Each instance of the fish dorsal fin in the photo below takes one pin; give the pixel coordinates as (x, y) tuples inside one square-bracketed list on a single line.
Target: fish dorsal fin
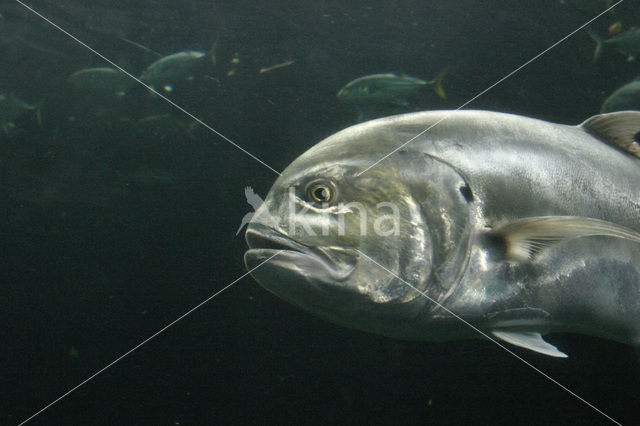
[(526, 238), (530, 340), (619, 129)]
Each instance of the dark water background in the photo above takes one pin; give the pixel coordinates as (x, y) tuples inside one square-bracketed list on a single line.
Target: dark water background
[(94, 260)]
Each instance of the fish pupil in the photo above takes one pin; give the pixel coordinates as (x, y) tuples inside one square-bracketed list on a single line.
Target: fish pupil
[(321, 194)]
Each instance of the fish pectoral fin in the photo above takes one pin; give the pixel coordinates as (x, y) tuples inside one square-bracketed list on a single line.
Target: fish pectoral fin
[(525, 238), (530, 340), (618, 129)]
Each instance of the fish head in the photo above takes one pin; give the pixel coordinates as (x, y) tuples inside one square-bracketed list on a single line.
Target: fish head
[(364, 248), (356, 91)]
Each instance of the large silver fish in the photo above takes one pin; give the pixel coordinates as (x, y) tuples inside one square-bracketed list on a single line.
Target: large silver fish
[(518, 226)]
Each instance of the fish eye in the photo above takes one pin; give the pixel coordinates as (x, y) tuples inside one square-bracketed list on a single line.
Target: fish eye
[(321, 192)]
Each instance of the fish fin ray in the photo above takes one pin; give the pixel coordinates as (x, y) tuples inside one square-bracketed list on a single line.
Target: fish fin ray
[(526, 238), (619, 129), (529, 340)]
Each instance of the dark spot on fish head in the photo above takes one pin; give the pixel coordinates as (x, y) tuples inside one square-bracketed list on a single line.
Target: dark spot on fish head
[(465, 190), (636, 137), (495, 244)]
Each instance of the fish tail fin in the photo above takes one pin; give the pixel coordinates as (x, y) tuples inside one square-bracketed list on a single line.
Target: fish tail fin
[(595, 37), (31, 107), (38, 109), (211, 54), (437, 83)]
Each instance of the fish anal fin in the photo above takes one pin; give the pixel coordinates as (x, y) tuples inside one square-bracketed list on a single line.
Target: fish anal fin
[(524, 239), (529, 340), (619, 129)]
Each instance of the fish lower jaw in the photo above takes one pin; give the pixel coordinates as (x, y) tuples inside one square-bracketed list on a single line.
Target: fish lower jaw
[(305, 264)]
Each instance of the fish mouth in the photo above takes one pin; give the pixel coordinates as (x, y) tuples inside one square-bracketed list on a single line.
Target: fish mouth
[(264, 238), (312, 262)]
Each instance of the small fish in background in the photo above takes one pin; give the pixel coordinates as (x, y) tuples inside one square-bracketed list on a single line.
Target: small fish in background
[(13, 108), (276, 67), (627, 43), (141, 47), (624, 98), (103, 79), (371, 92), (172, 68), (18, 35), (388, 89)]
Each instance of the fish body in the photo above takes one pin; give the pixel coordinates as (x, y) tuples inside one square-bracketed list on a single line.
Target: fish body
[(624, 98), (517, 226), (387, 89), (627, 43), (103, 79), (172, 68)]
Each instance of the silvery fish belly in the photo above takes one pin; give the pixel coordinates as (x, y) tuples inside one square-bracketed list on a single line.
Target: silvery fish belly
[(518, 226)]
